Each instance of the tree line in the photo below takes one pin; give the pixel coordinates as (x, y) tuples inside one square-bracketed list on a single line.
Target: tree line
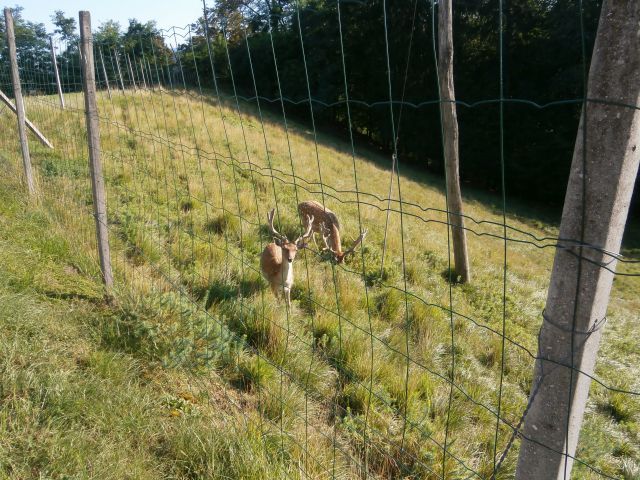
[(378, 56)]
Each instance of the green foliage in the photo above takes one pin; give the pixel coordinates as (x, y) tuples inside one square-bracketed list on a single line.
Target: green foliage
[(65, 26), (108, 35)]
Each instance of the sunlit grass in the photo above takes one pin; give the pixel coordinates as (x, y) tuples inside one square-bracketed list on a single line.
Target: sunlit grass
[(358, 372)]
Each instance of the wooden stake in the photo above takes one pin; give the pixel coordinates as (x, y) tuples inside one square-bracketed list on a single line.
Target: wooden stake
[(104, 72), (19, 108), (57, 74), (150, 75), (93, 136), (119, 71), (7, 101), (133, 78), (142, 74)]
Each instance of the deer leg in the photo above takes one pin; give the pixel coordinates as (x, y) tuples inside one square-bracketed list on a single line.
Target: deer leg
[(326, 245), (314, 241), (287, 295), (275, 290)]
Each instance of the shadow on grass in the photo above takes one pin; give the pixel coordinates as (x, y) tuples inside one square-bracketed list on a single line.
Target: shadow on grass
[(220, 291), (95, 300), (450, 276)]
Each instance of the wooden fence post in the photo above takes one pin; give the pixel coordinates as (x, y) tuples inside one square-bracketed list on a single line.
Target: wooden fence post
[(17, 93), (142, 74), (603, 171), (150, 75), (57, 73), (133, 79), (104, 72), (93, 136), (449, 120), (119, 70)]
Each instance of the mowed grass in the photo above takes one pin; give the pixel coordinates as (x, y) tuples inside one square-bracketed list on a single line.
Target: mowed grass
[(355, 379)]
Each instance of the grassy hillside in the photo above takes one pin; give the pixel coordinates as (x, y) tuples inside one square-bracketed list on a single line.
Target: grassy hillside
[(202, 373)]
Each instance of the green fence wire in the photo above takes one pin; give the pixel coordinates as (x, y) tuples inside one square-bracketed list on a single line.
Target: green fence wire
[(379, 370)]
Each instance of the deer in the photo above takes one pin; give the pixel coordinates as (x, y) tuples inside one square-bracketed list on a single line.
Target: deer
[(327, 225), (276, 261)]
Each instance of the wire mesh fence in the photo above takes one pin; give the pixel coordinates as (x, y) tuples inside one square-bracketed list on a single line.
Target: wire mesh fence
[(384, 366)]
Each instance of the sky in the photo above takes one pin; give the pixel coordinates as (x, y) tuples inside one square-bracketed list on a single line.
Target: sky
[(167, 13)]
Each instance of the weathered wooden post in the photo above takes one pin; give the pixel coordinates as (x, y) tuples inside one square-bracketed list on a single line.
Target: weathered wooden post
[(133, 79), (450, 134), (17, 93), (104, 72), (119, 70), (57, 73), (150, 75), (604, 168), (93, 135), (142, 74)]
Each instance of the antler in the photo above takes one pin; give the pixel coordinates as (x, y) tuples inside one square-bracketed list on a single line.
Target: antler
[(356, 243), (275, 233), (307, 234)]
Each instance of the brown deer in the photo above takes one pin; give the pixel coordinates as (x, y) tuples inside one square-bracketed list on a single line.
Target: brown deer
[(328, 225), (276, 261)]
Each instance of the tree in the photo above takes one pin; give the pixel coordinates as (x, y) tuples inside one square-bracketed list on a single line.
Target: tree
[(32, 48), (65, 27), (144, 39), (108, 35), (31, 38)]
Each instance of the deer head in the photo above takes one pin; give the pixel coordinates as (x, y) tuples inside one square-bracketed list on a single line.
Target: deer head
[(289, 249), (332, 241)]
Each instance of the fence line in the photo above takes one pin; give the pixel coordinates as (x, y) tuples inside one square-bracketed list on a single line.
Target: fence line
[(187, 216)]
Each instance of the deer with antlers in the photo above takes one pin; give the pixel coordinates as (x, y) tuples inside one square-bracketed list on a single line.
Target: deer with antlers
[(327, 225), (276, 261)]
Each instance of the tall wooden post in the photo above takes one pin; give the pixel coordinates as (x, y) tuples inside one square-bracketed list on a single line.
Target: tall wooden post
[(150, 75), (17, 93), (57, 73), (93, 135), (450, 133), (104, 72), (142, 74), (603, 171), (133, 78), (119, 70)]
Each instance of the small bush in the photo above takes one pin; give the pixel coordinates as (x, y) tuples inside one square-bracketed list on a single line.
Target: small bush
[(223, 223)]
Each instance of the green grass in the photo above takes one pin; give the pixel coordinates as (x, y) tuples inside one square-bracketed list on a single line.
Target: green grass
[(77, 402), (202, 372)]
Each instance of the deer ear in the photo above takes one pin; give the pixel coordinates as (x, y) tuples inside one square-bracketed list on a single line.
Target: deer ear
[(277, 241)]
